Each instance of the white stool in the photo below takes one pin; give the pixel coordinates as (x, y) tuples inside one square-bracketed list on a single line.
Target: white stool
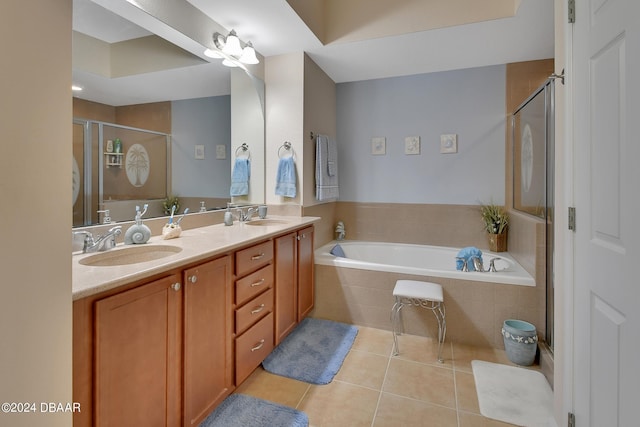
[(421, 294)]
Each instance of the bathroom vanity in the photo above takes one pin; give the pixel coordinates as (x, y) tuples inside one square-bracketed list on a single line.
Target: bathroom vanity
[(164, 341)]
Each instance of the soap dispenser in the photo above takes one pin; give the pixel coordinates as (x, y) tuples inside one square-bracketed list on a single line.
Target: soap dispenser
[(138, 233)]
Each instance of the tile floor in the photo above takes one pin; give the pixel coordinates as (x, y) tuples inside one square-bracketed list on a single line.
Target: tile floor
[(375, 389)]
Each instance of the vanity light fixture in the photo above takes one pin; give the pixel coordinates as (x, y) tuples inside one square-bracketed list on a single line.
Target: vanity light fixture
[(230, 49)]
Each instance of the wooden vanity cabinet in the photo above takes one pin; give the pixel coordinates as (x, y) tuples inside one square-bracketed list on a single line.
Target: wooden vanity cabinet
[(253, 308), (294, 278), (137, 356), (167, 350), (207, 330), (305, 276)]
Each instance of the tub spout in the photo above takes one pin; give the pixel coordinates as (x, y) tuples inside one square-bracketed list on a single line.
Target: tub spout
[(477, 264)]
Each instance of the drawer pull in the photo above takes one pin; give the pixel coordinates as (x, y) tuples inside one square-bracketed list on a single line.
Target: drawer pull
[(257, 309), (258, 283), (258, 347), (257, 257)]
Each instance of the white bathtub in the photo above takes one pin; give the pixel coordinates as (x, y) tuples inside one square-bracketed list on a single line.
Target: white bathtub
[(432, 261)]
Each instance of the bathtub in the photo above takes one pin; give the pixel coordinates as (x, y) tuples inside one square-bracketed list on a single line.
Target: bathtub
[(421, 260)]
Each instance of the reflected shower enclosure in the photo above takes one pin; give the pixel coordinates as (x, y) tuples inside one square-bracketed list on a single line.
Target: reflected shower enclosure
[(105, 173)]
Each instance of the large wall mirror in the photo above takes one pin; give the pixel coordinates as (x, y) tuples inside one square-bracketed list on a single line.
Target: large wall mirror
[(150, 86)]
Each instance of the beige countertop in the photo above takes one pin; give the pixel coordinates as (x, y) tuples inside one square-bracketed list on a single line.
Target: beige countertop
[(195, 244)]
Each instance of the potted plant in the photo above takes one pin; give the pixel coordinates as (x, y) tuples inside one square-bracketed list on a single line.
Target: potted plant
[(169, 202), (496, 222)]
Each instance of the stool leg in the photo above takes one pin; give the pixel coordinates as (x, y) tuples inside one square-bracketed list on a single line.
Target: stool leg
[(395, 317), (439, 312)]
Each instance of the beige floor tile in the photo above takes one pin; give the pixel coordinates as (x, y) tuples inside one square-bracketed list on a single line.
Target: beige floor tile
[(364, 369), (274, 388), (464, 354), (423, 350), (475, 420), (396, 411), (373, 340), (422, 382), (466, 393), (339, 404)]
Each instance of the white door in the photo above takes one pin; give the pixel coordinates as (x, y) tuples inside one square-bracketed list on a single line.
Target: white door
[(606, 99)]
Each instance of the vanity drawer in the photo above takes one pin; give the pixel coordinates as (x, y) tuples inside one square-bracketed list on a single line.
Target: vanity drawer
[(253, 311), (253, 346), (249, 259), (253, 284)]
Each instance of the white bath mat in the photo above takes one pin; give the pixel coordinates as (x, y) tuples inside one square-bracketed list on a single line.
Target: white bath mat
[(514, 395)]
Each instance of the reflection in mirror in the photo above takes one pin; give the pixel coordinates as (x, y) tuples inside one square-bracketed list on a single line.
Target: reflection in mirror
[(142, 78)]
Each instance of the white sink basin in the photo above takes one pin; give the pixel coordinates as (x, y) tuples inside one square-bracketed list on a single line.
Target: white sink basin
[(129, 255), (266, 221)]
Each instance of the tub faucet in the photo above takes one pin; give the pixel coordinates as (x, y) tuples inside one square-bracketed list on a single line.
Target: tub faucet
[(101, 243), (492, 264), (477, 263), (463, 260)]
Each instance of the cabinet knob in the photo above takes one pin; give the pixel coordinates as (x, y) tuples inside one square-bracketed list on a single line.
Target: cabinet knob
[(258, 347), (193, 279), (176, 286)]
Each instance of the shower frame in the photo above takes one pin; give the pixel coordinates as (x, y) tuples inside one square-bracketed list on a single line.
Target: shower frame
[(547, 91)]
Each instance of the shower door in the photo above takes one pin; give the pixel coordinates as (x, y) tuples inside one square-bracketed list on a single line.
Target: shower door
[(533, 169)]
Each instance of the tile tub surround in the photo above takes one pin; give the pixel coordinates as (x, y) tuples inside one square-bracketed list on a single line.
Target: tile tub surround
[(475, 310)]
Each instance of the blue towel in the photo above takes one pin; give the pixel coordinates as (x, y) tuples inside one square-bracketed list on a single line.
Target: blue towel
[(240, 177), (337, 251), (468, 253), (286, 177)]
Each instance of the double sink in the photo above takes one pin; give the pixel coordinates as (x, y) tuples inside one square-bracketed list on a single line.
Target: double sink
[(136, 254)]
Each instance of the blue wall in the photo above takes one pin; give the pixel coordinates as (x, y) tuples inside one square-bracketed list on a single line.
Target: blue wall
[(469, 103), (201, 121)]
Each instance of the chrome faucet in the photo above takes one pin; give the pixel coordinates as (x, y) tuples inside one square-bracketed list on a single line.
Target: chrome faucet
[(477, 263), (246, 216), (101, 243), (463, 260), (492, 264)]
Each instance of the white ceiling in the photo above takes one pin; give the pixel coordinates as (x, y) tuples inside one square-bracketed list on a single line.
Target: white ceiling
[(274, 29)]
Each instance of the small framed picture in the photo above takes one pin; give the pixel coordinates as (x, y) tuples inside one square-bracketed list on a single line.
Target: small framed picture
[(449, 143), (199, 152), (412, 145), (378, 146)]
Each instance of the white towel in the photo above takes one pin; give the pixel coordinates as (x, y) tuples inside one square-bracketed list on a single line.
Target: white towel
[(326, 168)]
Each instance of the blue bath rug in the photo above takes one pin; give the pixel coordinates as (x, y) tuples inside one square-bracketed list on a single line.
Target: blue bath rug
[(313, 352), (239, 410)]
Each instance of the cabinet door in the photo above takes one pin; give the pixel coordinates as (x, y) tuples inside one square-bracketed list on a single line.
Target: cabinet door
[(137, 364), (305, 272), (207, 338), (286, 285)]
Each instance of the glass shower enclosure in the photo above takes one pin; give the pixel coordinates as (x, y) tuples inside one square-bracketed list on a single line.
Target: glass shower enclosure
[(533, 128), (116, 167)]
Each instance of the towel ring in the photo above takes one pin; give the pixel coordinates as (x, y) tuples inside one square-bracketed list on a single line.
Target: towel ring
[(245, 149), (287, 147)]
